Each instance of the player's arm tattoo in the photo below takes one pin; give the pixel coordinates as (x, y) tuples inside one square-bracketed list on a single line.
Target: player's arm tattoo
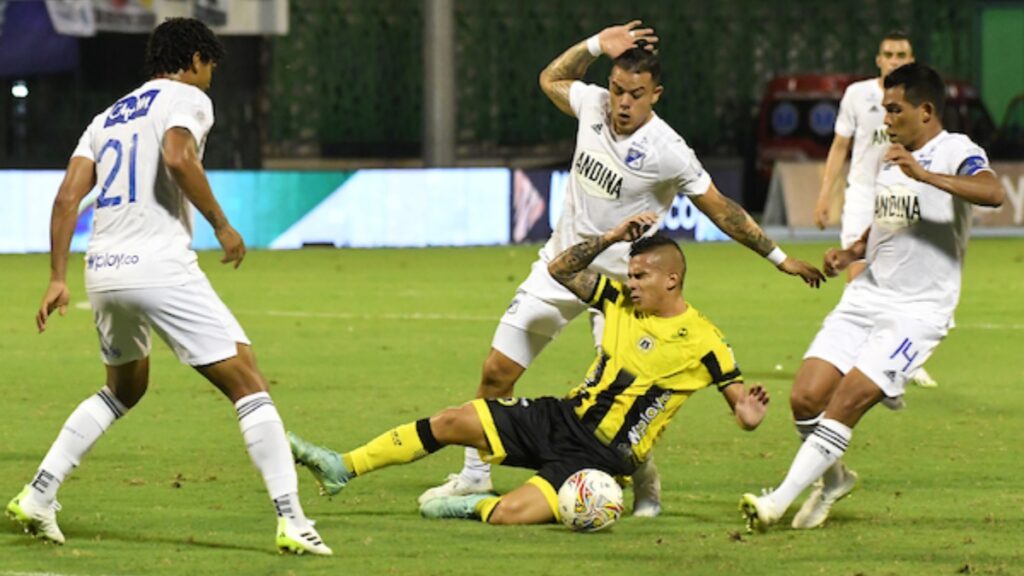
[(735, 221), (570, 267), (556, 80)]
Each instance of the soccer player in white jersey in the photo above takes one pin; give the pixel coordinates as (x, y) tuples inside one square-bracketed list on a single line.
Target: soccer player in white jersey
[(627, 160), (860, 123), (146, 153), (892, 316)]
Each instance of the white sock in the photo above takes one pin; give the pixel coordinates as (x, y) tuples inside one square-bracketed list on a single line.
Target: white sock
[(81, 430), (821, 449), (806, 427), (473, 467), (263, 432)]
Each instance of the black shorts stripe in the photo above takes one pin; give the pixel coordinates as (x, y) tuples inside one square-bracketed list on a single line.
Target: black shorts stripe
[(605, 399), (430, 443)]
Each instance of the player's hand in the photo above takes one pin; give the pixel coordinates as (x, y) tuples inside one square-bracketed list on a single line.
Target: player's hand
[(902, 157), (56, 297), (751, 408), (837, 260), (617, 39), (811, 275), (821, 212), (232, 243), (632, 228)]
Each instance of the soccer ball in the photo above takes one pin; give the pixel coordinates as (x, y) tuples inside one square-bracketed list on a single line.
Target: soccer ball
[(589, 500)]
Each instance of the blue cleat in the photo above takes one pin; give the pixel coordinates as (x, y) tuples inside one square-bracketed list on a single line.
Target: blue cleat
[(327, 466), (453, 506)]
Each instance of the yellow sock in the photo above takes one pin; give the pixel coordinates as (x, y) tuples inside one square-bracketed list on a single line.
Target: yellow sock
[(397, 446), (486, 506)]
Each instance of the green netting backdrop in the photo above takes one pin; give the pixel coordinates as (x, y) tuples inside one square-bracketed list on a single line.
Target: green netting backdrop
[(348, 80)]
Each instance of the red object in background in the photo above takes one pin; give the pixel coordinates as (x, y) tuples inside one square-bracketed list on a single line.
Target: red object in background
[(798, 113)]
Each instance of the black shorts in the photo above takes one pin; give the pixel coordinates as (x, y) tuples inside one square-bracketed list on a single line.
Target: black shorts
[(543, 434)]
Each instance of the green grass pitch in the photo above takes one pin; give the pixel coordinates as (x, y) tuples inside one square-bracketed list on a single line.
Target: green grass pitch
[(357, 341)]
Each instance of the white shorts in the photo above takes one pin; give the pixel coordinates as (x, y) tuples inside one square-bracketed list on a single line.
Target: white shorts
[(538, 312), (886, 347), (858, 213), (190, 318)]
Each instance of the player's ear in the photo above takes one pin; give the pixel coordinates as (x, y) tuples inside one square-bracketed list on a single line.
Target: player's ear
[(197, 59), (927, 112), (656, 95)]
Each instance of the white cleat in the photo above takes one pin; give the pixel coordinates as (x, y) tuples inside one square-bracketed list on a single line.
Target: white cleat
[(815, 510), (458, 485), (894, 403), (39, 521), (294, 540), (923, 379), (646, 490), (760, 512)]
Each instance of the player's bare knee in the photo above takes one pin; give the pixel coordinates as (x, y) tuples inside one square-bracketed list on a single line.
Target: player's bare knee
[(805, 404), (507, 512), (452, 425)]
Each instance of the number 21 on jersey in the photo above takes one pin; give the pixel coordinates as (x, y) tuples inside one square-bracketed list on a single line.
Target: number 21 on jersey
[(117, 147)]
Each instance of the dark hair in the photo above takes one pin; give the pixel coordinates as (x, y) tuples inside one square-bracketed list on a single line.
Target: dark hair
[(921, 84), (172, 44), (896, 35), (640, 60), (651, 243)]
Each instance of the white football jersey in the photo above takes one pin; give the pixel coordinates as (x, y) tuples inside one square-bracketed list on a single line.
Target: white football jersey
[(613, 177), (142, 223), (862, 117), (919, 234)]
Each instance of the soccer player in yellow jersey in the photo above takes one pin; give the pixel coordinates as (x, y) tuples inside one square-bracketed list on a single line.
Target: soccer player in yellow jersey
[(656, 351)]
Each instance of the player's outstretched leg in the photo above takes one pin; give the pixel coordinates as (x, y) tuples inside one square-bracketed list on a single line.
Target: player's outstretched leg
[(497, 380), (36, 519), (326, 465)]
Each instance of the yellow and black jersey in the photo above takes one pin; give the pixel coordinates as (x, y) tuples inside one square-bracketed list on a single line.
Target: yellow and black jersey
[(647, 367)]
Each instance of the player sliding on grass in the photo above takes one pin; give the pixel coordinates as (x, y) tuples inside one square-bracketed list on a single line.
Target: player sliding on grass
[(891, 317), (656, 351), (146, 150), (627, 160)]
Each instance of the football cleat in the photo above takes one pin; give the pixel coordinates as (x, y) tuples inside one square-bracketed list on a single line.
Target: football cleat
[(815, 510), (458, 485), (327, 466), (453, 506), (294, 540), (760, 512), (923, 379), (646, 490), (39, 521)]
